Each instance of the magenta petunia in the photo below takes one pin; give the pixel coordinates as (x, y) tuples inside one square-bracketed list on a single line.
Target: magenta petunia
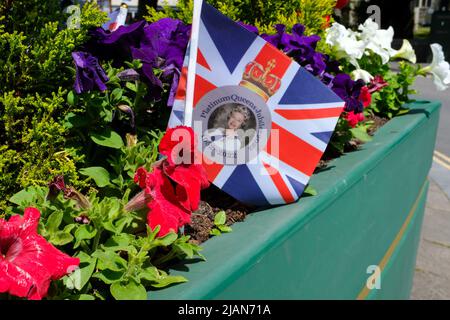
[(28, 263)]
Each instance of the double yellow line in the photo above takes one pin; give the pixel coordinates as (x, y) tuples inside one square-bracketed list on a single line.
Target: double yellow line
[(442, 159)]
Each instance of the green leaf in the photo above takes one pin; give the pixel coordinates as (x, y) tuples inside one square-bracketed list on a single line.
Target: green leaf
[(84, 297), (360, 134), (63, 237), (224, 228), (108, 138), (131, 86), (128, 291), (72, 280), (71, 98), (119, 242), (309, 190), (60, 238), (84, 232), (99, 174), (110, 260), (53, 221), (149, 274), (165, 241), (220, 218), (186, 249), (215, 232), (75, 121), (165, 281), (87, 267), (116, 95), (109, 276), (119, 225), (29, 196)]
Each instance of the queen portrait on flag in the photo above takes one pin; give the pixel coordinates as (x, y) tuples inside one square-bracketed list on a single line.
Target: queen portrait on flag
[(227, 126)]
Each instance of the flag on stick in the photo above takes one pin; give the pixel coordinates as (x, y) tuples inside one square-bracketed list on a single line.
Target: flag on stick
[(262, 121)]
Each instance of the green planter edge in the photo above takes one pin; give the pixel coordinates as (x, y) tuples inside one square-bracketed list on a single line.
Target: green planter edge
[(368, 212)]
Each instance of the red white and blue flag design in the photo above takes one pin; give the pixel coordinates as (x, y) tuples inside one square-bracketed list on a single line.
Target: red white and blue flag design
[(304, 112)]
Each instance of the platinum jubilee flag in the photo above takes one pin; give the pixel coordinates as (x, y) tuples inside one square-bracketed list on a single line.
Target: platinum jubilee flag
[(262, 121)]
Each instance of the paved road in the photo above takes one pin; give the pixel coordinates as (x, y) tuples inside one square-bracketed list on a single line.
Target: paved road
[(432, 277), (427, 91)]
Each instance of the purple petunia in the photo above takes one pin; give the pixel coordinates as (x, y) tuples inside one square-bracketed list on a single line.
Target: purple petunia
[(89, 73), (159, 45), (167, 40), (116, 45), (349, 91), (300, 47)]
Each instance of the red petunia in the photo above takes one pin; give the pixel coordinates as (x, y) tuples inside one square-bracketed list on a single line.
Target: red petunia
[(28, 263), (354, 118), (365, 97), (189, 179), (174, 188), (377, 83), (178, 145), (165, 208)]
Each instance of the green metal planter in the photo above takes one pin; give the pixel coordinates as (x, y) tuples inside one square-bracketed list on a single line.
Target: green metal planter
[(367, 216)]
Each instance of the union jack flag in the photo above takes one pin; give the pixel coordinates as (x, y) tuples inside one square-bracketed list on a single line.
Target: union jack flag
[(304, 112)]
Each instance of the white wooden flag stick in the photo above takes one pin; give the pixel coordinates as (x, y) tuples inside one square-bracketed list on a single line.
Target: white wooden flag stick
[(190, 85)]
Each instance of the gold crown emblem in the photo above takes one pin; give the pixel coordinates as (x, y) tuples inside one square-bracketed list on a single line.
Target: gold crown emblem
[(260, 80)]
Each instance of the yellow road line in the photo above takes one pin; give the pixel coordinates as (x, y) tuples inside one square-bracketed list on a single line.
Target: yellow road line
[(365, 291), (442, 163), (442, 156)]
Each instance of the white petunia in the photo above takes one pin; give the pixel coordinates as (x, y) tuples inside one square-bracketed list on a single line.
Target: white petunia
[(378, 40), (439, 68), (406, 52), (361, 74), (345, 42)]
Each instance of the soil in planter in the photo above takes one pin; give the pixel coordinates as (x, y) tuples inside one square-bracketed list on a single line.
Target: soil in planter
[(377, 123), (215, 200)]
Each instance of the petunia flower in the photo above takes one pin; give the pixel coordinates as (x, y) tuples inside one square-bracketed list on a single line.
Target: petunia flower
[(354, 118), (299, 46), (165, 209), (172, 188), (376, 84), (116, 45), (89, 73), (345, 42), (406, 52), (439, 68), (55, 186), (365, 97), (167, 39), (178, 145), (360, 74), (58, 185), (378, 40), (28, 263), (280, 39), (349, 91)]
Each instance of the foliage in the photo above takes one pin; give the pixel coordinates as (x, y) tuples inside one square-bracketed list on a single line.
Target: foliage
[(35, 60), (119, 255), (220, 224), (261, 13), (391, 101)]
